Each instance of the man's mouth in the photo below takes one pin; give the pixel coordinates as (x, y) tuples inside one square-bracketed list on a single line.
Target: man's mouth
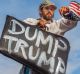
[(49, 14)]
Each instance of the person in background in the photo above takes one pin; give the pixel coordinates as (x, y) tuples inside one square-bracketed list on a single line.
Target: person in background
[(70, 16)]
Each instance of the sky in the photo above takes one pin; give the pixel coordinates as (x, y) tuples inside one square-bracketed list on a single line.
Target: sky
[(22, 9)]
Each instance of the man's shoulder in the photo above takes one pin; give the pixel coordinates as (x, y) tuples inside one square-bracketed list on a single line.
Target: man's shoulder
[(31, 21)]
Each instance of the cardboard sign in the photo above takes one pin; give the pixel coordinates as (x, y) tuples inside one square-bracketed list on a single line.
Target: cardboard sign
[(42, 51)]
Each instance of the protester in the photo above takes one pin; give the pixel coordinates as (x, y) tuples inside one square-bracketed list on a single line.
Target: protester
[(70, 16)]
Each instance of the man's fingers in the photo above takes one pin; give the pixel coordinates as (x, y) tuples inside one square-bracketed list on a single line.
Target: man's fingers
[(63, 10)]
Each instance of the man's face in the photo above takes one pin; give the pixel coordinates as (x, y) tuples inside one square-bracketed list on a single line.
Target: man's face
[(47, 12)]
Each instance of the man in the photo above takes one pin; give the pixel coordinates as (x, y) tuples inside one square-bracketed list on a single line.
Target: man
[(45, 22), (59, 27)]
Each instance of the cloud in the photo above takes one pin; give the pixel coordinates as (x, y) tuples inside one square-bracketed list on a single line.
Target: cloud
[(72, 66), (73, 59), (9, 66)]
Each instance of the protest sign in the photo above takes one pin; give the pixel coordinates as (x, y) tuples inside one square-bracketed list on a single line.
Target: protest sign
[(29, 45)]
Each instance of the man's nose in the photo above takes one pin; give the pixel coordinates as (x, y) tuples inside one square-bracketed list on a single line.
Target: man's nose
[(49, 10)]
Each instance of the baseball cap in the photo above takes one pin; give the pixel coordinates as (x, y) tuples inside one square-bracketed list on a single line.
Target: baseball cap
[(47, 3)]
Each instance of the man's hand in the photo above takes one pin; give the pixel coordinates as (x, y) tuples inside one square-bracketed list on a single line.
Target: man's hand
[(64, 10), (42, 23)]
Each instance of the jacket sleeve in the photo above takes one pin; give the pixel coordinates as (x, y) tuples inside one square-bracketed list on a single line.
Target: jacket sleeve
[(66, 25)]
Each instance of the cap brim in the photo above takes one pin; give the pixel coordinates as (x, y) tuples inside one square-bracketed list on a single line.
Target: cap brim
[(51, 5)]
